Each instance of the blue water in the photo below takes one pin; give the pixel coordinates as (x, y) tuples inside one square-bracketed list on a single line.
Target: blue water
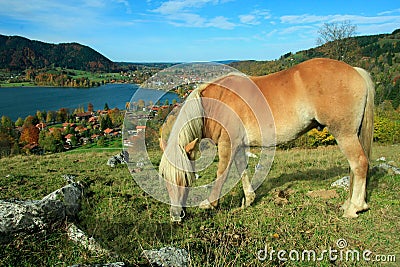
[(23, 101)]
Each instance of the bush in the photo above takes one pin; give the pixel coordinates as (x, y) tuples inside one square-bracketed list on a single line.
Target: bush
[(386, 130), (320, 138)]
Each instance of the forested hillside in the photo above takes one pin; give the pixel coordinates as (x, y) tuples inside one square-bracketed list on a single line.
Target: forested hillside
[(19, 53), (379, 54)]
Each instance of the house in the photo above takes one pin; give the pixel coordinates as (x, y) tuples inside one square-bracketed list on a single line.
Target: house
[(93, 120), (83, 116), (95, 137), (80, 129), (41, 126), (108, 131), (68, 139)]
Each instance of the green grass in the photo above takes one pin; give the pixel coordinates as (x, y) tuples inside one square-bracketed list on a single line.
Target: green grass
[(7, 84), (126, 220)]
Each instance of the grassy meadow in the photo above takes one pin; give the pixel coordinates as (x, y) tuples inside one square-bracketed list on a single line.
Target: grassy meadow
[(125, 220)]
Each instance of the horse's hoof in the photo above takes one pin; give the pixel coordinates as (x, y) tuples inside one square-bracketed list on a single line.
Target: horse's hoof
[(351, 210), (176, 219), (205, 204)]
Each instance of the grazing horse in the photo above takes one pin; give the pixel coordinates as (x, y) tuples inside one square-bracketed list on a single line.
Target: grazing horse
[(317, 92)]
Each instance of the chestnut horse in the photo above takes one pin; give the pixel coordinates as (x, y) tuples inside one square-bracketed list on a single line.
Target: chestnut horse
[(318, 92)]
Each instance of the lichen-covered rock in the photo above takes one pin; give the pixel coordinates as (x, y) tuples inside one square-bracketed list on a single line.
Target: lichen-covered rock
[(78, 236), (167, 257), (121, 158), (35, 215)]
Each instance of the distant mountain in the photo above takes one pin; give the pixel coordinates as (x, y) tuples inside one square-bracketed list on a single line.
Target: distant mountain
[(19, 53)]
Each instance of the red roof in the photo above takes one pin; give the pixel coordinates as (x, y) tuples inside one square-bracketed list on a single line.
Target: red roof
[(108, 130), (68, 136)]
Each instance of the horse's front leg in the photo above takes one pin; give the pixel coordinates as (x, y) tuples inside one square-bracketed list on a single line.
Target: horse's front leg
[(178, 195), (241, 165), (224, 153)]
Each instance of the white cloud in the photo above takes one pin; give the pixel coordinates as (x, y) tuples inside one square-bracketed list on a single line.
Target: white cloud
[(182, 13), (389, 12), (355, 19), (249, 19), (221, 23), (255, 17), (365, 24), (176, 6)]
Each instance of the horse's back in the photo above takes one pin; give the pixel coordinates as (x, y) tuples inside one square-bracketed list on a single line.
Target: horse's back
[(323, 91)]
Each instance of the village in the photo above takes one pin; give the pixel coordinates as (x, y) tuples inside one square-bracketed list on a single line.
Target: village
[(58, 131)]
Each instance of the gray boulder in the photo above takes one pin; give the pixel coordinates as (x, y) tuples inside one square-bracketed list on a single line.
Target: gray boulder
[(167, 257), (29, 216), (121, 158)]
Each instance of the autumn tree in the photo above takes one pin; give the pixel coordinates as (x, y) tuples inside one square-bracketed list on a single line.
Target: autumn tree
[(29, 134), (141, 104), (116, 116), (90, 107), (336, 42), (30, 121), (62, 115)]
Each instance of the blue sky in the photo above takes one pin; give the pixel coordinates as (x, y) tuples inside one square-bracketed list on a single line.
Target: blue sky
[(191, 30)]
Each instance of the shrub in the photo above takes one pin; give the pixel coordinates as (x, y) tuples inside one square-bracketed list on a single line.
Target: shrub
[(320, 138), (386, 130)]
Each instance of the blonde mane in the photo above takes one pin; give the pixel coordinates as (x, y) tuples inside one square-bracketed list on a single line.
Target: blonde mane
[(175, 164)]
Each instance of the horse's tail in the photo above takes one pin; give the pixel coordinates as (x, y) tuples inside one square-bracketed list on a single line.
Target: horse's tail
[(367, 125), (175, 165)]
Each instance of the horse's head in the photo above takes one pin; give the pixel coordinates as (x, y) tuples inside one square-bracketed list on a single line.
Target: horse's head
[(178, 138)]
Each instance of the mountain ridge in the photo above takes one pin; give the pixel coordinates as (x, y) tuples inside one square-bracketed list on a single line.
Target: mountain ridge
[(21, 53)]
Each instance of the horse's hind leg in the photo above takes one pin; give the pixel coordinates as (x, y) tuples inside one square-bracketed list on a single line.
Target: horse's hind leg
[(358, 161)]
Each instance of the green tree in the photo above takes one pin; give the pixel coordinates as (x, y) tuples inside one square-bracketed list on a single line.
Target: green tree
[(51, 116), (7, 125), (74, 140), (106, 108), (41, 115), (50, 142), (105, 122), (5, 145), (19, 122)]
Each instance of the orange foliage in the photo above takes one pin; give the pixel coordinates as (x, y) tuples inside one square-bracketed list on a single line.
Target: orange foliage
[(29, 135)]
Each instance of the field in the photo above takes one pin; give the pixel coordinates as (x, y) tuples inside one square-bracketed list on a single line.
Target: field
[(125, 220)]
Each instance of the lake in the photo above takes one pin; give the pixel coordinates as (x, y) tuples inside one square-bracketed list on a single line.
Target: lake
[(23, 101)]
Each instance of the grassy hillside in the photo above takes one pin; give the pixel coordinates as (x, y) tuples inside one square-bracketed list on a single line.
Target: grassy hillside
[(126, 220), (378, 54)]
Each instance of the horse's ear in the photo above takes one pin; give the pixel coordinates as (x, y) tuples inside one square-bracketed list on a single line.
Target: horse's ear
[(189, 147)]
